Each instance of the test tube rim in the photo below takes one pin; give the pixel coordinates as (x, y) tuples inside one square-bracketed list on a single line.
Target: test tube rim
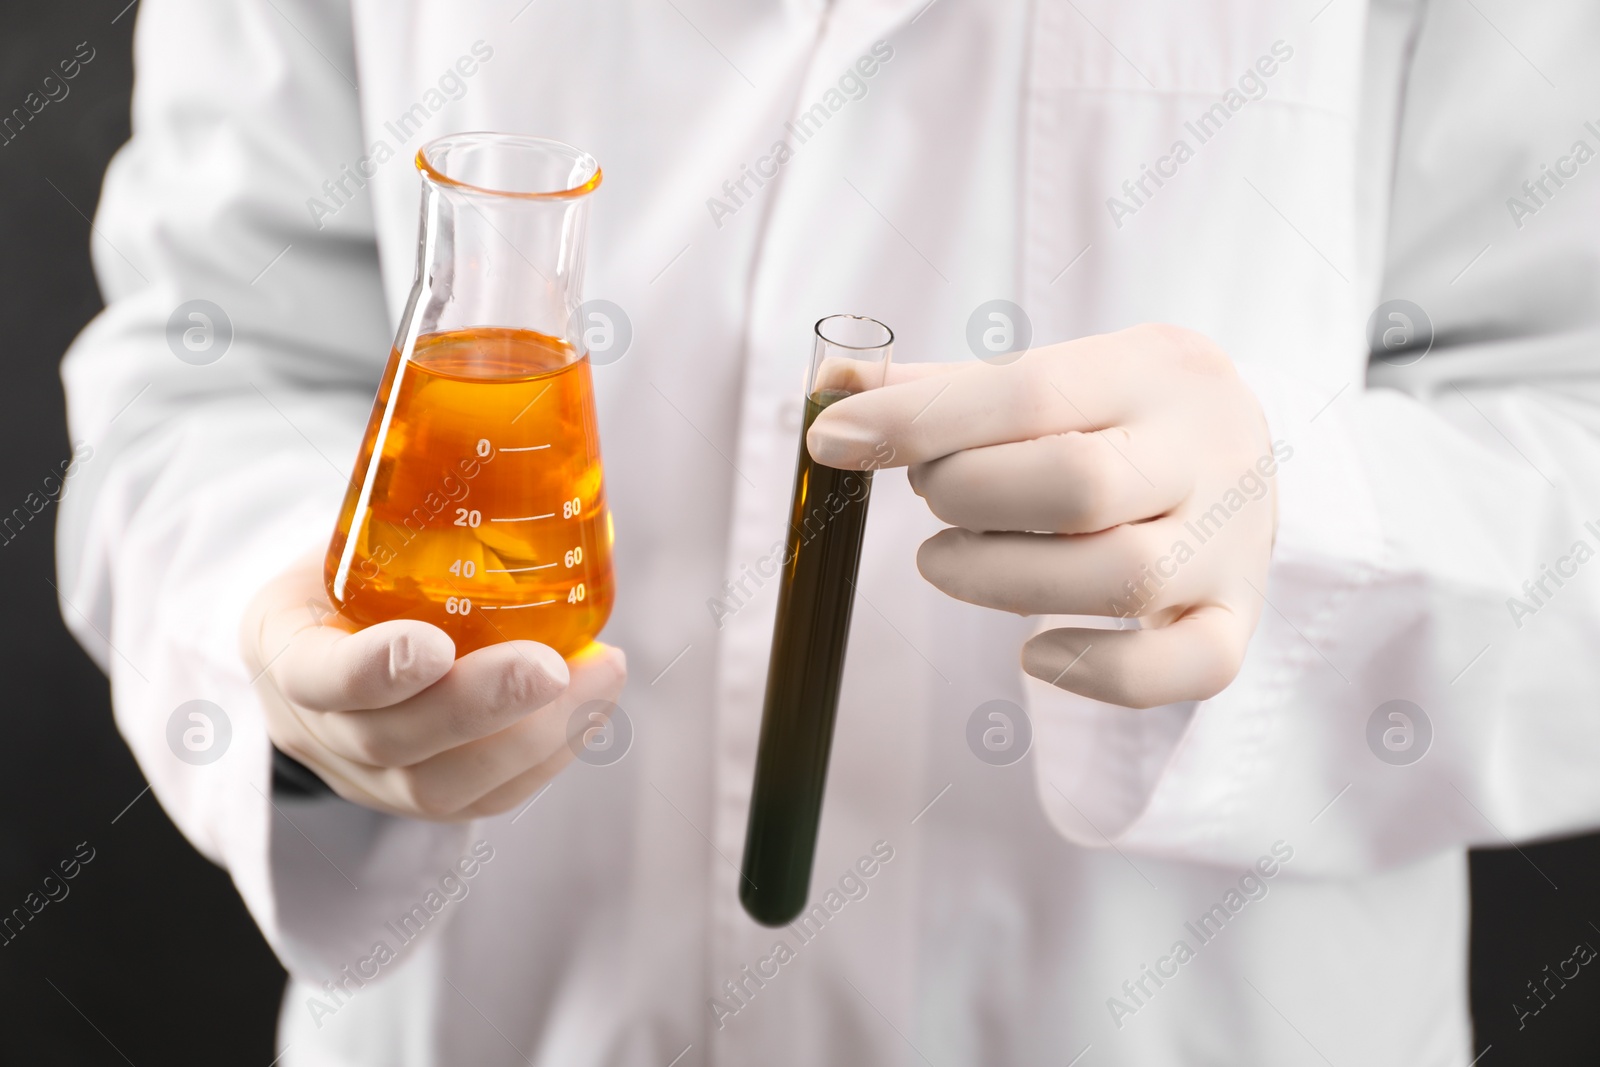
[(817, 330), (431, 173)]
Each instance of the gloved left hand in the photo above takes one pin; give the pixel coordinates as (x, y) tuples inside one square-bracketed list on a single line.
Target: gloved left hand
[(1128, 474)]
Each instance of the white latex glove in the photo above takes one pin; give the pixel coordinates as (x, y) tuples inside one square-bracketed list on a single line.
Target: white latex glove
[(389, 718), (1072, 477)]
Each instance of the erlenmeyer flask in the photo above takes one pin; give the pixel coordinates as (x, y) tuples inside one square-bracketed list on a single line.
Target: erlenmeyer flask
[(478, 502)]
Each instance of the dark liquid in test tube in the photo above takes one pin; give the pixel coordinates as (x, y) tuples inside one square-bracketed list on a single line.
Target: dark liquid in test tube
[(816, 592)]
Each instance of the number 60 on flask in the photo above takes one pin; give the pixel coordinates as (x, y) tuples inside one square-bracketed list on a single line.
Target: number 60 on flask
[(478, 499)]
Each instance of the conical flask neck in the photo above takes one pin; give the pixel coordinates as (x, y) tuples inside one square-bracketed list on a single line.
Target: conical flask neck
[(502, 235)]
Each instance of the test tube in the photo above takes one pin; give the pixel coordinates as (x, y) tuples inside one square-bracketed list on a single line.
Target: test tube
[(816, 591)]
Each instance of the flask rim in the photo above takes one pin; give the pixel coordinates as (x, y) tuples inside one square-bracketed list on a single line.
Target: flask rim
[(434, 173)]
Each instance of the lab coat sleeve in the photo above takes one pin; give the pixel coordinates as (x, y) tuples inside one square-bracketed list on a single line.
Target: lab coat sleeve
[(1439, 541), (212, 451)]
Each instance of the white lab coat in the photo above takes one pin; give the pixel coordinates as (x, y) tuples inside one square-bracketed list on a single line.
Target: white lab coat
[(978, 165)]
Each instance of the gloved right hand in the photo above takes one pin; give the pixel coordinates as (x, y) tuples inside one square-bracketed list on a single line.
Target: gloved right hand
[(389, 718), (1129, 474)]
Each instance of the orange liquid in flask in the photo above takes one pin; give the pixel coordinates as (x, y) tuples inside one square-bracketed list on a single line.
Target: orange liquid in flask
[(478, 502)]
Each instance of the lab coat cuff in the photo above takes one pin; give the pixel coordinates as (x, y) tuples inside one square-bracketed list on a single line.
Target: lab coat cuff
[(1097, 766), (1326, 510), (353, 889)]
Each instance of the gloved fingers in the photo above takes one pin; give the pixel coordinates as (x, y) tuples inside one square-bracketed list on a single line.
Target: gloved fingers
[(484, 692), (449, 784), (517, 791), (389, 719), (1193, 658), (446, 786), (1048, 574), (514, 792), (292, 635), (1061, 483), (326, 668), (1087, 384)]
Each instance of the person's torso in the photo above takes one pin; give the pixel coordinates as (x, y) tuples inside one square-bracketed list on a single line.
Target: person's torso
[(1097, 165)]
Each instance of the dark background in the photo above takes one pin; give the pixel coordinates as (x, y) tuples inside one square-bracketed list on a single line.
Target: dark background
[(152, 958)]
